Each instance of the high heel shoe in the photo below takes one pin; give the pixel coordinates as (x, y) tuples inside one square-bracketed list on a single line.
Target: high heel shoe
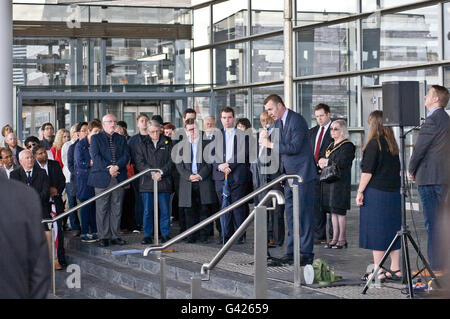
[(338, 246), (330, 244)]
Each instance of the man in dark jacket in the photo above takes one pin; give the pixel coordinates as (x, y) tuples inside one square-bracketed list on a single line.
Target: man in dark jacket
[(196, 185), (155, 152), (24, 258), (320, 139), (110, 156)]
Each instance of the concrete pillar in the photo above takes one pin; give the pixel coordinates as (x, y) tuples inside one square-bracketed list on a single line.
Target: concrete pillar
[(288, 59), (6, 59)]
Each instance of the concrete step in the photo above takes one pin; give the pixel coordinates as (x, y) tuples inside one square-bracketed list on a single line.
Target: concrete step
[(138, 281), (226, 284)]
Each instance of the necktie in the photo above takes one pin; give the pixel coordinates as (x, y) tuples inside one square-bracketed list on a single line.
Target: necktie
[(29, 178), (193, 160), (319, 141)]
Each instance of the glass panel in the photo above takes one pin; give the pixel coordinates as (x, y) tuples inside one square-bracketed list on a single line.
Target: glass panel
[(202, 67), (402, 38), (202, 27), (446, 36), (237, 99), (230, 19), (266, 16), (358, 139), (230, 63), (329, 49), (339, 94), (259, 94), (372, 5), (429, 75), (267, 59), (447, 80), (309, 12)]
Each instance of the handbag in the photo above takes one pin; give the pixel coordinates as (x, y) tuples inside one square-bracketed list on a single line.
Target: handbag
[(330, 174)]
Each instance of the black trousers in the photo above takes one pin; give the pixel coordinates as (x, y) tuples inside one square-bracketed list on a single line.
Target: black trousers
[(275, 221), (196, 213), (320, 216)]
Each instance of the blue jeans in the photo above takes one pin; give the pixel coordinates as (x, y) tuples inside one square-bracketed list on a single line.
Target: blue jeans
[(164, 221), (432, 197), (74, 221), (88, 218)]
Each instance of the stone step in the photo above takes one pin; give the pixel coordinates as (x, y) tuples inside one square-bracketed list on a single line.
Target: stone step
[(138, 281), (230, 284)]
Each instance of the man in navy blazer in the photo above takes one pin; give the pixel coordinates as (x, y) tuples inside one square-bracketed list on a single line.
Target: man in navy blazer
[(231, 160), (110, 156), (296, 158)]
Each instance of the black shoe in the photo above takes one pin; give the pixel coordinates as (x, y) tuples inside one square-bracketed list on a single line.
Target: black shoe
[(63, 262), (287, 259), (104, 243), (305, 261), (118, 241), (164, 239), (147, 241)]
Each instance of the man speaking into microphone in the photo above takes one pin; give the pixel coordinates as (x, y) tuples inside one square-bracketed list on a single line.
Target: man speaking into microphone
[(429, 167)]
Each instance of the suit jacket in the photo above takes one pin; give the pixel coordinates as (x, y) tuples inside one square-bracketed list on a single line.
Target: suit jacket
[(295, 147), (40, 182), (429, 161), (102, 158), (82, 168), (184, 168), (240, 172), (24, 259), (57, 180), (3, 170), (18, 150), (326, 140)]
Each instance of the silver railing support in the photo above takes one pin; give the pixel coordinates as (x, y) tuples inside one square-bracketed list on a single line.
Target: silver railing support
[(260, 255), (296, 231), (196, 286), (50, 222), (162, 269), (227, 209), (155, 211), (52, 262)]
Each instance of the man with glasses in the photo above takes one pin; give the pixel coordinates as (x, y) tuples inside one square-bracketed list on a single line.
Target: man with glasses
[(110, 154), (6, 159), (48, 135)]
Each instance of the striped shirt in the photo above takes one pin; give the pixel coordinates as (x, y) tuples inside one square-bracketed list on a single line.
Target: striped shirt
[(112, 149)]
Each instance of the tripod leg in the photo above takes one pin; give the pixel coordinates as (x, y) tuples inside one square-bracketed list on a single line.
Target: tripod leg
[(425, 262), (408, 266), (377, 268)]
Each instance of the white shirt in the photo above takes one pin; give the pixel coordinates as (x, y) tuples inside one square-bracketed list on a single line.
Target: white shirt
[(284, 117), (229, 143), (8, 171), (194, 155), (44, 167), (64, 153), (326, 127)]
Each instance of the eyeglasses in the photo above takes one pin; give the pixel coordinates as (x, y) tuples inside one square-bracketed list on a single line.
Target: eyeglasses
[(335, 129)]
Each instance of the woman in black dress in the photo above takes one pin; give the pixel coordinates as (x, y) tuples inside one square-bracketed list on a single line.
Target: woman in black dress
[(336, 195), (379, 196)]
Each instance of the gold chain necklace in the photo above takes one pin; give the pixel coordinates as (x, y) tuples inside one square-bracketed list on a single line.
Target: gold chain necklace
[(328, 151)]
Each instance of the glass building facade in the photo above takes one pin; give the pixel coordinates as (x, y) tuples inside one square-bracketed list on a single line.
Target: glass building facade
[(75, 63)]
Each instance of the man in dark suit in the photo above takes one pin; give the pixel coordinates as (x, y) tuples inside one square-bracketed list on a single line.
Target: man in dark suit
[(7, 162), (57, 183), (24, 258), (11, 139), (110, 155), (296, 158), (231, 162), (429, 167), (196, 185), (320, 139)]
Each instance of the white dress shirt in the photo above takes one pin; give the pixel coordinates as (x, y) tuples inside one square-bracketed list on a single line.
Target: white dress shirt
[(229, 142)]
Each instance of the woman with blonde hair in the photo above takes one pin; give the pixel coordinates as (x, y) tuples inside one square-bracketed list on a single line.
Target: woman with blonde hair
[(379, 196), (62, 136)]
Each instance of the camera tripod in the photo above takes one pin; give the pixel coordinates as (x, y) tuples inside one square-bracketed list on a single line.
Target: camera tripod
[(403, 234)]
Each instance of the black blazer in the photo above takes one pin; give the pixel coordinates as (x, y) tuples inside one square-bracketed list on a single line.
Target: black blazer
[(19, 149), (326, 140), (57, 180), (25, 263), (240, 172), (40, 182)]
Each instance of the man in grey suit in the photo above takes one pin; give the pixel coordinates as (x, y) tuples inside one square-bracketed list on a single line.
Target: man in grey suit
[(429, 167), (7, 161)]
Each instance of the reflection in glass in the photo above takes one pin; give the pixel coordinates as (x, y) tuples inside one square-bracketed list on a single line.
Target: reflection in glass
[(446, 35), (329, 49), (259, 94), (267, 59), (229, 64), (372, 5), (237, 99), (401, 38), (201, 27), (202, 67), (309, 12), (230, 20), (266, 16), (429, 75)]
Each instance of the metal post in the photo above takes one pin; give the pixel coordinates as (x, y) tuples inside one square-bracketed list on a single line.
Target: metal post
[(288, 65), (260, 284), (296, 231), (52, 262), (155, 210), (163, 277), (196, 286)]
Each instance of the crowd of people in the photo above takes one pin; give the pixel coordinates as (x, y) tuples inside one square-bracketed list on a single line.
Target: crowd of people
[(73, 166)]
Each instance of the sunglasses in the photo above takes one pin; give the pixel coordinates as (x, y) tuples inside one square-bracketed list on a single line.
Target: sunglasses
[(31, 145)]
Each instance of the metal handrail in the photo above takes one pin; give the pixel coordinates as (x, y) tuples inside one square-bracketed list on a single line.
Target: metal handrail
[(227, 209), (106, 192), (276, 194)]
